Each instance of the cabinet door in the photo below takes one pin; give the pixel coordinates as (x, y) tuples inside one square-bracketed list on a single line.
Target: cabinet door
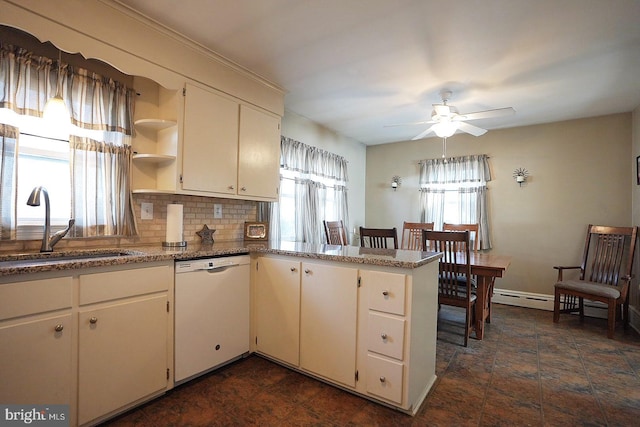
[(210, 142), (259, 154), (36, 362), (122, 355), (328, 311), (278, 309)]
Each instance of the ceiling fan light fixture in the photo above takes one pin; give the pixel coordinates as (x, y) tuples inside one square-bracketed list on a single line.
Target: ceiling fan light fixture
[(445, 129)]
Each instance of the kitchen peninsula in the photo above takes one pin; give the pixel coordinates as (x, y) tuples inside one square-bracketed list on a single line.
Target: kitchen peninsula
[(361, 319)]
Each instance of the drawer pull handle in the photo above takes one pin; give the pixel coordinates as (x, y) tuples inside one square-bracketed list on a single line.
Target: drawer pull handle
[(384, 336), (383, 380), (385, 293), (293, 269), (58, 328), (93, 320)]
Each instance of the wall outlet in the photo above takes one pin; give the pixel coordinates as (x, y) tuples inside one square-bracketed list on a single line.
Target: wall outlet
[(217, 210), (146, 211)]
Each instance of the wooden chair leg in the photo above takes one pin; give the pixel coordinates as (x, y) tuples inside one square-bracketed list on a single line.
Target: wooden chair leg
[(625, 314), (611, 318), (556, 306), (581, 306), (466, 327)]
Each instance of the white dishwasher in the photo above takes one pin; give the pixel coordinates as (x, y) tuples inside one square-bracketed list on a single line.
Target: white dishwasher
[(211, 314)]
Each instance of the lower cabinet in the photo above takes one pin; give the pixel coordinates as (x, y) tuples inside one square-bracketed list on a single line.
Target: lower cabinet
[(35, 356), (122, 355), (36, 334), (96, 339), (368, 329), (328, 320), (277, 309)]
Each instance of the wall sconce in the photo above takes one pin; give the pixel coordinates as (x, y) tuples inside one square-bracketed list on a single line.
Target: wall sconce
[(520, 175), (395, 182)]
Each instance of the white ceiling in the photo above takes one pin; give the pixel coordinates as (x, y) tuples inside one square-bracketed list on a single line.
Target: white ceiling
[(358, 65)]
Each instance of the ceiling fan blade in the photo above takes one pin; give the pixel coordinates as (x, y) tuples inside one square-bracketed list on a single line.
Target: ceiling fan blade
[(408, 124), (498, 112), (473, 130), (423, 134)]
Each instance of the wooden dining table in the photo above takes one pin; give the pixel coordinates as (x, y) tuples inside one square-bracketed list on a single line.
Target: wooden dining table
[(486, 267)]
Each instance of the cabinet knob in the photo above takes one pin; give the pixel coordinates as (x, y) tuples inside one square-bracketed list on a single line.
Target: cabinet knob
[(383, 336), (383, 380), (307, 271), (385, 293), (93, 320), (230, 187), (294, 269), (58, 328), (243, 189)]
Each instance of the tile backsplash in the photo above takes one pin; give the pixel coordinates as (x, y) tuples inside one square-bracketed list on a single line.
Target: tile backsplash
[(197, 212)]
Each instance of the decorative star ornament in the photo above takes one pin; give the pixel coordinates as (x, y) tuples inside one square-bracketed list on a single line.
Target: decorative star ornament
[(206, 234)]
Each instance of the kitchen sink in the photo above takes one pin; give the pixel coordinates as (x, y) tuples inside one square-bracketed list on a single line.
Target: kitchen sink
[(26, 260)]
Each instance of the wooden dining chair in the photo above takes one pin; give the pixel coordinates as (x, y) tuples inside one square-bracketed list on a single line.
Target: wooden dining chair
[(605, 274), (335, 232), (378, 237), (454, 264), (472, 228), (412, 234)]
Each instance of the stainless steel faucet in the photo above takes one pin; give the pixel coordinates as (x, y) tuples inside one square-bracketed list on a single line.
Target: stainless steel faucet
[(47, 242)]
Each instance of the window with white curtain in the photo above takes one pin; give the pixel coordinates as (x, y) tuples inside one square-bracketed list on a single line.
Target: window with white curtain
[(312, 189), (454, 190), (84, 167)]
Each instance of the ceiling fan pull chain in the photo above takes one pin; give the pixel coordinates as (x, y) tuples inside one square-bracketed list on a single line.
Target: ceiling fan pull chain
[(444, 148)]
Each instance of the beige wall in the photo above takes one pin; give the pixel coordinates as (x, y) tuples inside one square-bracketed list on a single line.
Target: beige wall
[(580, 174), (311, 133)]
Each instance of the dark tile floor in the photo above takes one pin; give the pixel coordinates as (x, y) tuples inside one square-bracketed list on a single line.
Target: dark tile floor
[(527, 371)]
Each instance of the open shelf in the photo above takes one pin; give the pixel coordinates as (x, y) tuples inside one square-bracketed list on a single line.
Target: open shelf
[(154, 124), (153, 158)]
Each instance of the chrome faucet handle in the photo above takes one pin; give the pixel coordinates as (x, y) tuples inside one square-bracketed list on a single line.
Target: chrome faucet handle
[(60, 234)]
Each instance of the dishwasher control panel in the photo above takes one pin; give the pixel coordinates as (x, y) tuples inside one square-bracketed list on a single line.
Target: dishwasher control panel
[(210, 263)]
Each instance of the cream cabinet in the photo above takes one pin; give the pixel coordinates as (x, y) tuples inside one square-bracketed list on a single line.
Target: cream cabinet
[(328, 320), (36, 331), (97, 339), (258, 154), (369, 329), (210, 142), (277, 309), (122, 333), (229, 149)]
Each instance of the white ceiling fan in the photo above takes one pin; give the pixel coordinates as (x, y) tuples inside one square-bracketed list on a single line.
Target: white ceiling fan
[(446, 119)]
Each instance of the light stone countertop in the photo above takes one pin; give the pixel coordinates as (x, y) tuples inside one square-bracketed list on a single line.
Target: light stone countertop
[(12, 264)]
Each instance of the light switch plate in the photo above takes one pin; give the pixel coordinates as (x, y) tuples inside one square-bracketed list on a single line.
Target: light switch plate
[(146, 210), (217, 210)]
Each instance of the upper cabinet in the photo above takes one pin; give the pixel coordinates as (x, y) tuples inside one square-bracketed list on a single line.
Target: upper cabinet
[(229, 149), (258, 154)]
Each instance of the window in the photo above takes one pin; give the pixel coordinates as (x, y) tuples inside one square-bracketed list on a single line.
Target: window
[(454, 190), (312, 189), (84, 167)]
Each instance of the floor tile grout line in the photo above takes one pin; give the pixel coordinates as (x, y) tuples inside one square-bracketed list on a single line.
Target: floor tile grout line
[(588, 376), (493, 367)]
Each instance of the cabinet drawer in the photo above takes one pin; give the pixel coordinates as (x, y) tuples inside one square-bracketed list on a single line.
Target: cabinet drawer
[(384, 378), (124, 283), (35, 296), (385, 335), (387, 292)]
